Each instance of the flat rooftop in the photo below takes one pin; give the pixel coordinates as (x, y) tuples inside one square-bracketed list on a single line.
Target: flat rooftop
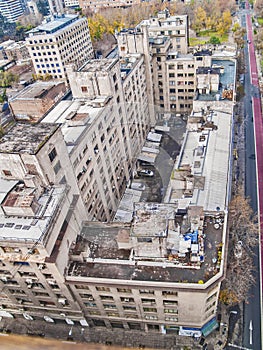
[(74, 117), (26, 138), (103, 258), (34, 91), (54, 24), (30, 229), (227, 69), (99, 65), (204, 162)]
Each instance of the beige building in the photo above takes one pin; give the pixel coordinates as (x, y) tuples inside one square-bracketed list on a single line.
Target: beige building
[(39, 219), (63, 256), (104, 128), (96, 5), (62, 40), (11, 50), (34, 101)]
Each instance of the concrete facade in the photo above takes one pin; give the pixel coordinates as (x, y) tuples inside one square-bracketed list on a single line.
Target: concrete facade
[(36, 100), (11, 9), (96, 5), (63, 40)]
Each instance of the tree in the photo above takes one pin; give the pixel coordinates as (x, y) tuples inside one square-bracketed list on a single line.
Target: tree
[(200, 19), (214, 40), (243, 238), (224, 23), (8, 78)]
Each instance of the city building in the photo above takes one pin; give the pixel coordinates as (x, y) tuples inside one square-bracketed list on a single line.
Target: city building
[(62, 40), (11, 9), (56, 6), (96, 5), (33, 102), (11, 50), (68, 250), (104, 127)]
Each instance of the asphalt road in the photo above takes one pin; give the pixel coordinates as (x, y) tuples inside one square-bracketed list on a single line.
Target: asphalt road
[(252, 310)]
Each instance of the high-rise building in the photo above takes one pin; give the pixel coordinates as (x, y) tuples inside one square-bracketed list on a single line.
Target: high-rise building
[(11, 9), (61, 40)]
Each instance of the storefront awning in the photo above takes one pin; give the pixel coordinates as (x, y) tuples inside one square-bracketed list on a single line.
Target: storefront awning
[(209, 327)]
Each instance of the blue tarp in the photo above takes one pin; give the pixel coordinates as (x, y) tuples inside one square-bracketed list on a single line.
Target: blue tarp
[(193, 236)]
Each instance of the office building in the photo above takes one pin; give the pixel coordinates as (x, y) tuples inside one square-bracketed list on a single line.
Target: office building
[(62, 40), (11, 9)]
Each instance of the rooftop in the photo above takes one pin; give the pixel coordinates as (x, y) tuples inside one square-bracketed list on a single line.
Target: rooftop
[(37, 90), (108, 252), (204, 160), (226, 70), (25, 228), (54, 24), (26, 138), (75, 117), (98, 65)]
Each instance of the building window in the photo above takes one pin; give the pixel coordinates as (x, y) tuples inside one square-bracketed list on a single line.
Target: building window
[(109, 306), (170, 311), (129, 308), (7, 172), (57, 167), (106, 297), (84, 88), (103, 289), (124, 290), (52, 155), (169, 292), (149, 309), (127, 300)]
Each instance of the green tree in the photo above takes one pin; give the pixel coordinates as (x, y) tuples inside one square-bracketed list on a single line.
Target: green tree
[(214, 40)]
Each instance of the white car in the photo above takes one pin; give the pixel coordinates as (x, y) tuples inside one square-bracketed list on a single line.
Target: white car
[(145, 172)]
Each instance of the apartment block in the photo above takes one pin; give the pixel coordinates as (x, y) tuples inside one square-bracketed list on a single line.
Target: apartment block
[(11, 9), (62, 40), (104, 127), (96, 5), (171, 69), (63, 256), (40, 217), (11, 50)]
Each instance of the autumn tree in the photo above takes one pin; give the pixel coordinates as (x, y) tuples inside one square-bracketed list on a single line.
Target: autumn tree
[(224, 23), (239, 33), (200, 20), (243, 238), (8, 78)]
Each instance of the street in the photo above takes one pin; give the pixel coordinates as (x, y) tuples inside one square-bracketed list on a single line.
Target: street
[(253, 164)]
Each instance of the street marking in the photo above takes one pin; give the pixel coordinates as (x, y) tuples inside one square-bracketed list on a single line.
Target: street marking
[(250, 332)]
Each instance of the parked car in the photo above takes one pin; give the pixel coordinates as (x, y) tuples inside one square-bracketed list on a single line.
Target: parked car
[(145, 172)]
